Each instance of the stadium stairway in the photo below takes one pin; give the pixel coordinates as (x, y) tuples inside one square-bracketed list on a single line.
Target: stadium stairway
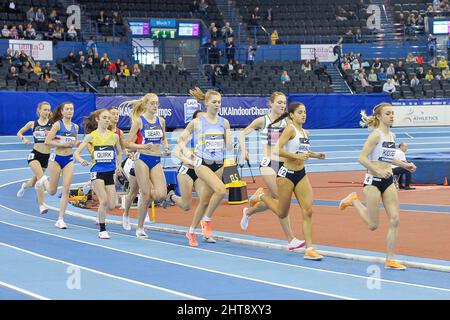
[(338, 83), (230, 13)]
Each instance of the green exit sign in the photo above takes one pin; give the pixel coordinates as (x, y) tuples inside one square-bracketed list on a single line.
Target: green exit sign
[(163, 33)]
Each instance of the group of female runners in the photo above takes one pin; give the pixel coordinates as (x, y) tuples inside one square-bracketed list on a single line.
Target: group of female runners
[(203, 147)]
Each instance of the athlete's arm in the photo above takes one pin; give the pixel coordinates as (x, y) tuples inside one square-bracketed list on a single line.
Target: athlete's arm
[(123, 146), (118, 154), (256, 124), (185, 137), (87, 139), (164, 139), (229, 141), (77, 143), (24, 129), (288, 134), (135, 127), (368, 147)]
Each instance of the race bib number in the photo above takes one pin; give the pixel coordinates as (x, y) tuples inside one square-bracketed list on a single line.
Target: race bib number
[(265, 162), (93, 175), (52, 157), (387, 151), (212, 144), (368, 179), (282, 172), (31, 156), (104, 154), (39, 135), (197, 162), (183, 170), (153, 134)]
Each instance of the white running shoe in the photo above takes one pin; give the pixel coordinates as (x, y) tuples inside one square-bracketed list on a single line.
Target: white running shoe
[(40, 183), (140, 233), (61, 224), (21, 191), (103, 235), (126, 225), (43, 209), (244, 220), (295, 244), (209, 239)]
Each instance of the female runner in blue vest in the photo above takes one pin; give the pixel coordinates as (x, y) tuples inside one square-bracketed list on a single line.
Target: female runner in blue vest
[(213, 138), (148, 168), (377, 156), (38, 158), (63, 136), (294, 146), (106, 157)]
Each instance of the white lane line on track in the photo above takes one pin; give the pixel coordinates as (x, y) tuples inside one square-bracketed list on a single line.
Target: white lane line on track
[(174, 262), (217, 253), (26, 292), (103, 273)]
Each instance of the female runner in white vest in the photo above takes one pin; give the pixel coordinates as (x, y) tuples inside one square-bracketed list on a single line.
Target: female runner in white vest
[(377, 156)]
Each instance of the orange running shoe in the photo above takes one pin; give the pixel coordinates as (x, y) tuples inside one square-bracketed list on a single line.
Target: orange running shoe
[(311, 254), (255, 198), (394, 265), (348, 200), (192, 241), (206, 228)]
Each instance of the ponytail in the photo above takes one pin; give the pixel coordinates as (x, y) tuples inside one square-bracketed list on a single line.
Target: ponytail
[(372, 121), (280, 118), (138, 105), (90, 122), (291, 109), (198, 94), (57, 114)]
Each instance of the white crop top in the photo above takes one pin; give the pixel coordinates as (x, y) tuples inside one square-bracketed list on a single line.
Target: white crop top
[(300, 143), (384, 151)]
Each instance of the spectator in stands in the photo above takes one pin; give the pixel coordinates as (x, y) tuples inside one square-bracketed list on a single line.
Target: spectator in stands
[(48, 35), (37, 68), (58, 34), (102, 18), (358, 36), (40, 19), (26, 67), (20, 31), (377, 64), (30, 14), (251, 55), (193, 8), (429, 75), (90, 63), (238, 65), (346, 65), (8, 55), (214, 53), (442, 63), (5, 31), (91, 46), (410, 58), (72, 33), (136, 73), (47, 77), (104, 61), (227, 31), (105, 81), (356, 76), (123, 70), (436, 5), (285, 78), (203, 9), (414, 82), (116, 18), (112, 68), (395, 80), (11, 7), (78, 57), (30, 33), (12, 74), (349, 37), (54, 18), (419, 59), (119, 63), (96, 60), (14, 34), (431, 45), (240, 74), (228, 69), (355, 64), (389, 86), (269, 14), (80, 64), (180, 66), (372, 77), (420, 73), (341, 14), (70, 59), (255, 18), (363, 78), (214, 33), (400, 68), (403, 80), (381, 75), (230, 49), (306, 66), (390, 71), (274, 37), (446, 73), (113, 83)]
